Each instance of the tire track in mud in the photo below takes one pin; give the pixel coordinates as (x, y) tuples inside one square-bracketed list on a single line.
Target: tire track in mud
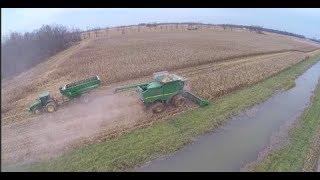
[(50, 135), (107, 116)]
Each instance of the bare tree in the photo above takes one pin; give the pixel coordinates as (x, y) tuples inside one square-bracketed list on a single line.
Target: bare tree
[(150, 25), (224, 27), (88, 30), (96, 31), (20, 52), (107, 32), (256, 29), (191, 27)]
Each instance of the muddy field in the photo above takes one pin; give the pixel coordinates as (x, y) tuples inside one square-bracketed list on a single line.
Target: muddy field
[(49, 134), (208, 59)]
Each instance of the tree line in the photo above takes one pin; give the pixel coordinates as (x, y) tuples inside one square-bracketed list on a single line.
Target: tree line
[(252, 28), (260, 29), (315, 40), (21, 51)]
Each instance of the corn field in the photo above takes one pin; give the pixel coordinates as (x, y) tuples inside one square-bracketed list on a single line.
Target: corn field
[(216, 62)]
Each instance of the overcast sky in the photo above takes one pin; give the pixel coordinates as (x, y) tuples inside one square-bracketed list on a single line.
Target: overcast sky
[(304, 21)]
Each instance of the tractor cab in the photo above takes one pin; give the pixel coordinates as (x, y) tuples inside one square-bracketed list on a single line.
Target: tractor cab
[(44, 97)]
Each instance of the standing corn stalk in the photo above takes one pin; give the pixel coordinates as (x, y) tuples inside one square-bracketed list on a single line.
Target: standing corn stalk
[(107, 31), (96, 31), (88, 30)]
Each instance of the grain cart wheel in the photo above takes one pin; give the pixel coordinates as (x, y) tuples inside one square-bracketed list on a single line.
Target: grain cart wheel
[(51, 107), (36, 110), (158, 107), (178, 101), (84, 98)]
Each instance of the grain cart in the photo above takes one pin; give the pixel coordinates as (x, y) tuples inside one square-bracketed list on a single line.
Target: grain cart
[(166, 88), (69, 91)]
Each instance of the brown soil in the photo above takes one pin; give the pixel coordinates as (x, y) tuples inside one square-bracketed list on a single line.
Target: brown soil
[(27, 138), (51, 134)]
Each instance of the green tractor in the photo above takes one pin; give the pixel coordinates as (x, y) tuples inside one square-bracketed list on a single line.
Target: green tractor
[(165, 89), (46, 102), (70, 91)]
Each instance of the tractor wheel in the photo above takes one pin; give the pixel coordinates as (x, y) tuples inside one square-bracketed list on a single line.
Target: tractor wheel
[(36, 110), (84, 98), (158, 107), (51, 107), (178, 101)]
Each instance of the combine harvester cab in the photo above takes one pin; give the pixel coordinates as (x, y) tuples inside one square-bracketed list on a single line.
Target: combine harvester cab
[(165, 89), (76, 89)]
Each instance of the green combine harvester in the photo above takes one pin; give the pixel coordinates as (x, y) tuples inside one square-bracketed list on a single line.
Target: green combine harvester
[(73, 90), (165, 89)]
